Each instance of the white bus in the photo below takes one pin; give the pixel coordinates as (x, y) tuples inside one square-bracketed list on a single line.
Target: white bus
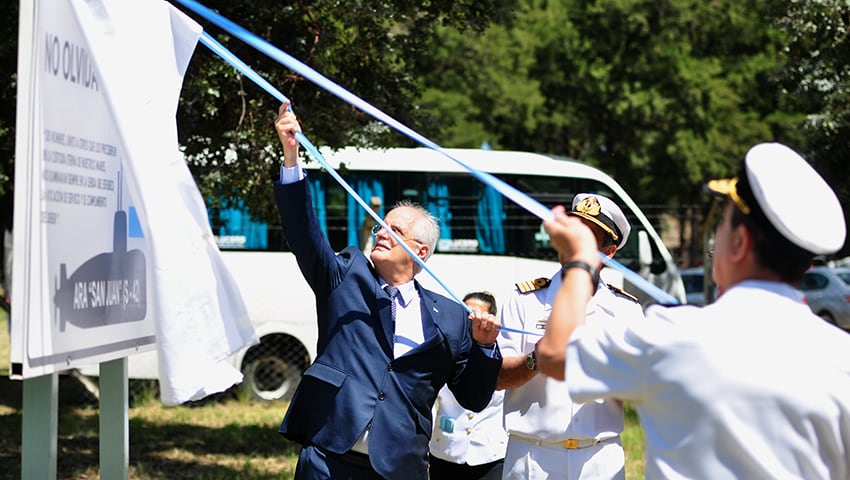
[(487, 242)]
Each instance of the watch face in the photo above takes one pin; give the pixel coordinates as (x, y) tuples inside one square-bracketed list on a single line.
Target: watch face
[(531, 362)]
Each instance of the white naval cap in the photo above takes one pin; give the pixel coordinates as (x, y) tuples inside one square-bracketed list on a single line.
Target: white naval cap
[(603, 212), (779, 185)]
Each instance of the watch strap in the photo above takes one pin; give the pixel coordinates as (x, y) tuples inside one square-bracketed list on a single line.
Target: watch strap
[(594, 273)]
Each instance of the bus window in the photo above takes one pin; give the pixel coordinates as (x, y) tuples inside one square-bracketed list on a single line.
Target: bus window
[(235, 229), (473, 217), (338, 214), (471, 214), (524, 232), (525, 235), (367, 185)]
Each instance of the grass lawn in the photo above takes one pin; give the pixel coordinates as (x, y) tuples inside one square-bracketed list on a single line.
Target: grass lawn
[(633, 444), (223, 439)]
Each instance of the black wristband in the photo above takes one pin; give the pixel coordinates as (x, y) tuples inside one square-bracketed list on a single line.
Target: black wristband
[(594, 273)]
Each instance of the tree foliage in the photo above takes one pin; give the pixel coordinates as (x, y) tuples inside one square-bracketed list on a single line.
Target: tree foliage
[(661, 94), (817, 82)]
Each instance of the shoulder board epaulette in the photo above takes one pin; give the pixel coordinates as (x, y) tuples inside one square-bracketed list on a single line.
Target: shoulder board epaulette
[(622, 293), (533, 285)]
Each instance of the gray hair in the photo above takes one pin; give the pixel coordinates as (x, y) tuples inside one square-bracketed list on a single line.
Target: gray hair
[(425, 230)]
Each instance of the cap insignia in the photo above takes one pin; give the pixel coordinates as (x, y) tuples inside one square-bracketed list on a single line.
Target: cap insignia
[(589, 206), (729, 187)]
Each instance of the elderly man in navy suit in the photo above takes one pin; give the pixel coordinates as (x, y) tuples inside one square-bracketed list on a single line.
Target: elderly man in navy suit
[(386, 345)]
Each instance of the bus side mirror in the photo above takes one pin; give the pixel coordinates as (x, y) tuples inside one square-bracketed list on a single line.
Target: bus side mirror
[(656, 266), (644, 250)]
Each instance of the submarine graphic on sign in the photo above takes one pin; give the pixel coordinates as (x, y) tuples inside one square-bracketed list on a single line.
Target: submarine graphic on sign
[(109, 288)]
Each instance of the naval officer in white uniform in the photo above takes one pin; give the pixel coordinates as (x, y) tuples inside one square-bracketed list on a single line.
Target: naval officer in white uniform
[(751, 386), (550, 436)]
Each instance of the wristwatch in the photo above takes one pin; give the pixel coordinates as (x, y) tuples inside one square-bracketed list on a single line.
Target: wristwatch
[(531, 361)]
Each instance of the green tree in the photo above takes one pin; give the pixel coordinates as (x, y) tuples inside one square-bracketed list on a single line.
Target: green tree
[(817, 82), (661, 94)]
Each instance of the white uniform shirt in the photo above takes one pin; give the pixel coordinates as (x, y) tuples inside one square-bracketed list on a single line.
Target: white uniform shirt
[(542, 409), (751, 386), (461, 436)]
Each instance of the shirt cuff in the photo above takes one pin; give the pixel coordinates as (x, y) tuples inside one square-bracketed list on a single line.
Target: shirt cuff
[(291, 174), (489, 350)]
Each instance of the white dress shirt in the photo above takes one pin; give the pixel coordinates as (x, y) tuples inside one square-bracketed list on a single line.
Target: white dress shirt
[(409, 333)]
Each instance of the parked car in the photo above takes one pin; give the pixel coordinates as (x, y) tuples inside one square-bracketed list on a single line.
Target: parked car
[(827, 292), (694, 280)]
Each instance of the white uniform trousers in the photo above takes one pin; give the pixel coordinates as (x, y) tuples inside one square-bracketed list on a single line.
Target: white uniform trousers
[(530, 460)]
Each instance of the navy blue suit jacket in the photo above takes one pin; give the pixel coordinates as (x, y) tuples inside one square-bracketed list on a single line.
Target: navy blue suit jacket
[(355, 382)]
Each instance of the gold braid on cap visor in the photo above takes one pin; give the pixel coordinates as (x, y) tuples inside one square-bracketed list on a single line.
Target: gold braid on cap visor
[(729, 187)]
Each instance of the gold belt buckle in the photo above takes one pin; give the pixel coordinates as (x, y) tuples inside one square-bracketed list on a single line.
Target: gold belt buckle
[(571, 443)]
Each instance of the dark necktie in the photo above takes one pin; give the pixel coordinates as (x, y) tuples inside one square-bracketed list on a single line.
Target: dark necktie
[(392, 292)]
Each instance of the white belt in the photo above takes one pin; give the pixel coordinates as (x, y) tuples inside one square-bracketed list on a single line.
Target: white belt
[(569, 444)]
